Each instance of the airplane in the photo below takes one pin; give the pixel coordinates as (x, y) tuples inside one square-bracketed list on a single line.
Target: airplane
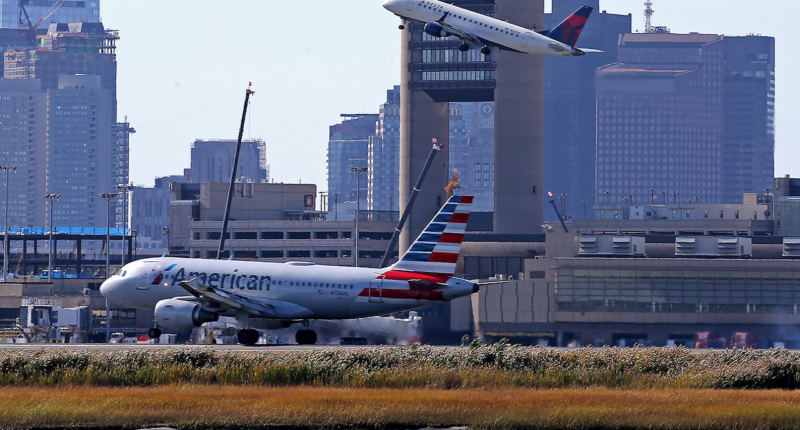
[(444, 20), (185, 293)]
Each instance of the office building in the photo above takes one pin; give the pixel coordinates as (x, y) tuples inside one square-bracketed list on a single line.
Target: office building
[(570, 120), (678, 114), (12, 16), (383, 162), (69, 49), (150, 214), (212, 161), (748, 99), (348, 147), (23, 144), (80, 151)]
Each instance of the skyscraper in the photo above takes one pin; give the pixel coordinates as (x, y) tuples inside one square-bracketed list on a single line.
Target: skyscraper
[(663, 113), (12, 16), (212, 161), (348, 146), (79, 162), (569, 99), (472, 151), (383, 153), (23, 144)]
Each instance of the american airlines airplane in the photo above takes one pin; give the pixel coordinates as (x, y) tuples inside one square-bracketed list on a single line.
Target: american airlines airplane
[(444, 20), (185, 293)]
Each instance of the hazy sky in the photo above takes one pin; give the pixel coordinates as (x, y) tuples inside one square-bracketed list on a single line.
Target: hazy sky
[(184, 65)]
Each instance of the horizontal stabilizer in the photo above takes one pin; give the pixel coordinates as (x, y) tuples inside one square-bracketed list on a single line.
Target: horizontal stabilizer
[(591, 51)]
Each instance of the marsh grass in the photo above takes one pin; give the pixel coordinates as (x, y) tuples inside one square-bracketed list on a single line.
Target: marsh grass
[(191, 406), (497, 366)]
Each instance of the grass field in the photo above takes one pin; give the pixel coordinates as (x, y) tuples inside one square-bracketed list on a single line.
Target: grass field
[(306, 407), (481, 367)]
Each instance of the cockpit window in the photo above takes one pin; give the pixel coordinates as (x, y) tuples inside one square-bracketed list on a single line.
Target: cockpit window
[(122, 274)]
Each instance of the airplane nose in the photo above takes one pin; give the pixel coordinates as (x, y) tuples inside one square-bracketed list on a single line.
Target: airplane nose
[(386, 4), (108, 287)]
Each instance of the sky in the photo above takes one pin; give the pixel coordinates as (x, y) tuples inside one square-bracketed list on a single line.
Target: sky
[(184, 66)]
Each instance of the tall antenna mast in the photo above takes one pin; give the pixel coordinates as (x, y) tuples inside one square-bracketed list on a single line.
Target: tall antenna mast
[(648, 12)]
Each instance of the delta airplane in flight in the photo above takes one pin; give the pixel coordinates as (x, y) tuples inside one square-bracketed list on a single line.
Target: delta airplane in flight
[(444, 20), (185, 293)]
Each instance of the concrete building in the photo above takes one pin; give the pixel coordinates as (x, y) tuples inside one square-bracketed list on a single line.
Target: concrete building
[(570, 114), (212, 161), (11, 15), (472, 151), (270, 222), (433, 73)]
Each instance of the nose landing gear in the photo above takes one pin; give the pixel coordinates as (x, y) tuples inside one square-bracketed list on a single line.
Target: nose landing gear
[(402, 25)]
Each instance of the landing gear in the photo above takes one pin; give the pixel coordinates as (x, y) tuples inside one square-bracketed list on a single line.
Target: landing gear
[(248, 337), (463, 47), (485, 50), (154, 333), (306, 337), (402, 25)]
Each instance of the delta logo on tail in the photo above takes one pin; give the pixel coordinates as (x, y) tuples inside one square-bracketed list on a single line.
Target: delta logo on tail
[(570, 29)]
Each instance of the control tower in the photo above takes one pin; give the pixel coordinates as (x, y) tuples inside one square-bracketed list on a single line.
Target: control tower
[(434, 73)]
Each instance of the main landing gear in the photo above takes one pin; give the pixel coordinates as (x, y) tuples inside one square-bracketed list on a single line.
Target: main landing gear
[(248, 336), (485, 50), (463, 47), (306, 336), (154, 333)]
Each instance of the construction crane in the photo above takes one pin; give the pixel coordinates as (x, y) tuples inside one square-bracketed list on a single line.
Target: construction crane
[(32, 27)]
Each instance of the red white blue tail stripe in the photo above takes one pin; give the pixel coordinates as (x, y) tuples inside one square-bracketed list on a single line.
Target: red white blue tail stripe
[(436, 249)]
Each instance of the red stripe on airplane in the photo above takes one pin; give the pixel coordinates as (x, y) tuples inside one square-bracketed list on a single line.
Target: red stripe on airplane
[(466, 199), (441, 257), (401, 294), (451, 238), (459, 218), (398, 275)]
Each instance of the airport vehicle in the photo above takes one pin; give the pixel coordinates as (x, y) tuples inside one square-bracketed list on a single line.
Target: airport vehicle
[(444, 20), (274, 295)]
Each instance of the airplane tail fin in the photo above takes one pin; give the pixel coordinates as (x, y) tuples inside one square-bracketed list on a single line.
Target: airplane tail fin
[(570, 29), (437, 248)]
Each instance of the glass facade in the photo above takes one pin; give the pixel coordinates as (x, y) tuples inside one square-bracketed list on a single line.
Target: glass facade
[(676, 290), (70, 11)]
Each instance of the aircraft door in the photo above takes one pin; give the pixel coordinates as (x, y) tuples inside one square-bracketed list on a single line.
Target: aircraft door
[(375, 294), (527, 38), (146, 276)]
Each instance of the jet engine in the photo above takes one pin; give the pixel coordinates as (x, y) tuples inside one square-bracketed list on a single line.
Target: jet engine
[(435, 30), (179, 314)]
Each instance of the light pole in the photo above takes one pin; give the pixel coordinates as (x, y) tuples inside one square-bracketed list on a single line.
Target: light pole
[(8, 171), (391, 207), (770, 203), (675, 198), (108, 197), (51, 198), (608, 197), (652, 196), (123, 189), (336, 206), (358, 171), (584, 207), (664, 197)]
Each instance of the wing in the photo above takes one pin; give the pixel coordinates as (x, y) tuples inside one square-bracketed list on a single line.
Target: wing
[(457, 31), (217, 300)]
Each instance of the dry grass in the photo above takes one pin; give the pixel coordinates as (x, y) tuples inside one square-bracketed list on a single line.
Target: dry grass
[(262, 407)]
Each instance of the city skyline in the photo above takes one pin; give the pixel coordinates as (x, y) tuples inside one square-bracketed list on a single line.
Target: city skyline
[(199, 83)]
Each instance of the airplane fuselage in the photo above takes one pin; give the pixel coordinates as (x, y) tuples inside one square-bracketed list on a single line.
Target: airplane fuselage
[(489, 30), (328, 292)]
